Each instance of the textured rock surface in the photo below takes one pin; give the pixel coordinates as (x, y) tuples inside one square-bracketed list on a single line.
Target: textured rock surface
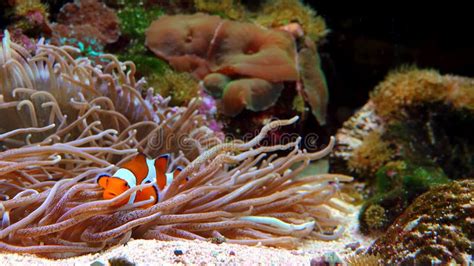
[(437, 228)]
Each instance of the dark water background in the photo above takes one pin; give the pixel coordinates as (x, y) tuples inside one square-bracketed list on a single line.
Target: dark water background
[(368, 41)]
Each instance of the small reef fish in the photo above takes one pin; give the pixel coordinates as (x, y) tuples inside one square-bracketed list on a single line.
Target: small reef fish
[(139, 170)]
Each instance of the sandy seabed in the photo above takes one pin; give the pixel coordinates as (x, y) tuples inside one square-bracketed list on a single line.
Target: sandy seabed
[(153, 252)]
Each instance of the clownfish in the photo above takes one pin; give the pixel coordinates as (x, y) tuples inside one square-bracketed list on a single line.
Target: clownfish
[(139, 170)]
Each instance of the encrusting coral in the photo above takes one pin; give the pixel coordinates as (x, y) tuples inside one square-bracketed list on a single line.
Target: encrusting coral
[(25, 19), (180, 87), (30, 14), (364, 260), (66, 120), (372, 154), (231, 9), (87, 24), (397, 184), (279, 13), (350, 137), (411, 86), (411, 108), (437, 228)]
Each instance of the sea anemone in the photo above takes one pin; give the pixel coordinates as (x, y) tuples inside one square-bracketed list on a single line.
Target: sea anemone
[(66, 120)]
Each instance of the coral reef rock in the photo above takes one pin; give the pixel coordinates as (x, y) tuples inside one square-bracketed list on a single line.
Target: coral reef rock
[(419, 114), (437, 228), (397, 184), (351, 135), (413, 133), (89, 24)]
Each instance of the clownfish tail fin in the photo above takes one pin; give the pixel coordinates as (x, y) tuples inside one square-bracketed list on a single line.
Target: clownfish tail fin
[(177, 171)]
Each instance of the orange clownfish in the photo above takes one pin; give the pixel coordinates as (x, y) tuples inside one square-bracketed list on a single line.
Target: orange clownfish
[(140, 170)]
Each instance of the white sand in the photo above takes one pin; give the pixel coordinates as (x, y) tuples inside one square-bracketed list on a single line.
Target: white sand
[(152, 252)]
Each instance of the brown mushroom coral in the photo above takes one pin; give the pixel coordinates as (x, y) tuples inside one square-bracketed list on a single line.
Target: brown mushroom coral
[(314, 82), (201, 41), (204, 45), (255, 94), (249, 50), (183, 41)]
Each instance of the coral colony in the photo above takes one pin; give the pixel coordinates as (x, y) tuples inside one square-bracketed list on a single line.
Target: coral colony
[(144, 121)]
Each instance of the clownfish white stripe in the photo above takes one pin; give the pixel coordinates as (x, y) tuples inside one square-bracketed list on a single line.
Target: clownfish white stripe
[(158, 192), (151, 176), (169, 178), (127, 176), (131, 180)]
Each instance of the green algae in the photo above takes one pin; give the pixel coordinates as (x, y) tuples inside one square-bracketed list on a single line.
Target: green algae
[(134, 20), (397, 184)]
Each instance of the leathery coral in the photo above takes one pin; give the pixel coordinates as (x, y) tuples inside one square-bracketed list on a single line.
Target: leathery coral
[(65, 120), (251, 63)]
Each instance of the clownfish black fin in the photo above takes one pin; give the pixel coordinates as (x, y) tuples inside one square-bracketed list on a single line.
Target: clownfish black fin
[(102, 180)]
